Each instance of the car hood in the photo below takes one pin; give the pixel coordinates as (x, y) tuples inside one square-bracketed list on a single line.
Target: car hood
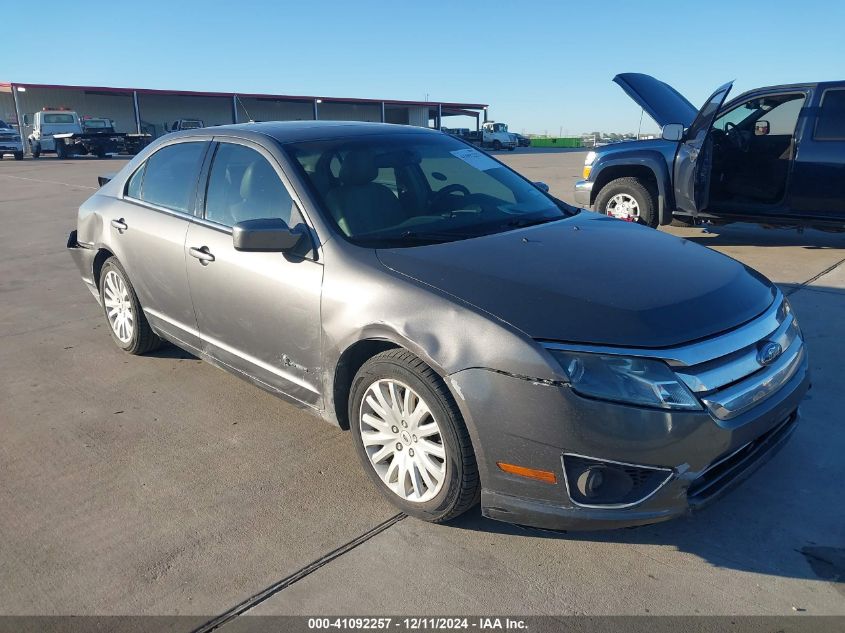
[(661, 101), (594, 280)]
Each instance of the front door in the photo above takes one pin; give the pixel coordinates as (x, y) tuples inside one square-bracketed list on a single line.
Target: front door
[(257, 313), (695, 156)]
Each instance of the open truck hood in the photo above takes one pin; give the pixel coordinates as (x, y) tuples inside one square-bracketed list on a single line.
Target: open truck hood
[(594, 280), (661, 101)]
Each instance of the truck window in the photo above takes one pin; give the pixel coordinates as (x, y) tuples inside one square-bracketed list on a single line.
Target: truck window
[(830, 125), (171, 175), (58, 118)]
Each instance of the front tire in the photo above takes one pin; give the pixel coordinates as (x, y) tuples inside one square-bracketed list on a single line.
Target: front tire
[(36, 149), (128, 326), (497, 145), (411, 438), (629, 199), (18, 155), (61, 150)]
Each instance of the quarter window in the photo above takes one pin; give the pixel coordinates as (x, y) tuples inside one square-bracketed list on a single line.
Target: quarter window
[(243, 185), (171, 176), (831, 123), (133, 187)]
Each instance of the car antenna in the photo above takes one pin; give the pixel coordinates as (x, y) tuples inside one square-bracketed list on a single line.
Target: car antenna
[(251, 120)]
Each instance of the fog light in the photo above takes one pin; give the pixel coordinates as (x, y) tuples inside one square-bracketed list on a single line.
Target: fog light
[(594, 482)]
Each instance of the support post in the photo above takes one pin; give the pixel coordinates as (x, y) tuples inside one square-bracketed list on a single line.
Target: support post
[(18, 114), (316, 114), (383, 118), (137, 111), (439, 115), (234, 108)]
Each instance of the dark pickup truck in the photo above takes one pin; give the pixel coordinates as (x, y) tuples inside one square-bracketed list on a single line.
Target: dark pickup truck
[(773, 155)]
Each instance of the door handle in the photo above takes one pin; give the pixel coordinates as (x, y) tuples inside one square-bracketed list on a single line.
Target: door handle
[(120, 225), (202, 254)]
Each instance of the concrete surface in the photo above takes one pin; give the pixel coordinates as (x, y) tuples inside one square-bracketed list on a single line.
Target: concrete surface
[(160, 485)]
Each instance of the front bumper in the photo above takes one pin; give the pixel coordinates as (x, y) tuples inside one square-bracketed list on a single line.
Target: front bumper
[(10, 147), (530, 423), (583, 192)]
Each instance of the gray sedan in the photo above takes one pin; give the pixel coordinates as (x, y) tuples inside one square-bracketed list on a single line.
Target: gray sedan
[(478, 337)]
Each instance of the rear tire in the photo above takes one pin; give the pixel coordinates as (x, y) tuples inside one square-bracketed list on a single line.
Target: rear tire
[(676, 221), (127, 323), (632, 196), (428, 422)]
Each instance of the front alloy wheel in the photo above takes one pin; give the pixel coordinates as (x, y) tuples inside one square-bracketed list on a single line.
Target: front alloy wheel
[(411, 437), (402, 440), (624, 206)]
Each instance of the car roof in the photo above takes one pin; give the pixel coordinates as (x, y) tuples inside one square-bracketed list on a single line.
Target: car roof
[(299, 131)]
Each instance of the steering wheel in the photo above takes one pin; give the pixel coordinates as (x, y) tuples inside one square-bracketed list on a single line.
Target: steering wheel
[(737, 137), (447, 191)]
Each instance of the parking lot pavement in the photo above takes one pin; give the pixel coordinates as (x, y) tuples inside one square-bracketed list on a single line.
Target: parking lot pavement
[(160, 485)]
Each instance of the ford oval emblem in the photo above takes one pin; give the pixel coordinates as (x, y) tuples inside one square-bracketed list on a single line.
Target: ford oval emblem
[(769, 353)]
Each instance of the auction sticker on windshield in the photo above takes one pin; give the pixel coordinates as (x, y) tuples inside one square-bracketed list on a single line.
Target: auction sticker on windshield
[(475, 158)]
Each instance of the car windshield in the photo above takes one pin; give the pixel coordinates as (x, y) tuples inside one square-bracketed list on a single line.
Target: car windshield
[(410, 189)]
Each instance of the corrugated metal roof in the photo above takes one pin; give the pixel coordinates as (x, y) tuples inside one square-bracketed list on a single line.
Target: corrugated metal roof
[(156, 91)]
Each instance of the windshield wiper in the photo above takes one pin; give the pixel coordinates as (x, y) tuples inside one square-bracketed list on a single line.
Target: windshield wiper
[(417, 237)]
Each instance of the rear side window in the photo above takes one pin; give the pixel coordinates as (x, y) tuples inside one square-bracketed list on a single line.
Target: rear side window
[(830, 125), (243, 185), (171, 176)]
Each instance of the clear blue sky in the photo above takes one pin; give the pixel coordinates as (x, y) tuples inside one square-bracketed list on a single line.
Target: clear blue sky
[(543, 66)]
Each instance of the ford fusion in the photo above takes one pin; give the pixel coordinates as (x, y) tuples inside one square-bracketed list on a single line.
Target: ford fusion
[(480, 339)]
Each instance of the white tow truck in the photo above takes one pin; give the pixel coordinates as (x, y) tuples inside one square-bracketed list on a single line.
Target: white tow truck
[(492, 135), (60, 130)]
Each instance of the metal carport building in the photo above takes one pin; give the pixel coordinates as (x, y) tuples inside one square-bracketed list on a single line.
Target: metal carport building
[(152, 110)]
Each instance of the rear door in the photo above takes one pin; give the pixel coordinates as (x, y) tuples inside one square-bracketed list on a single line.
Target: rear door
[(818, 177), (147, 234), (694, 159)]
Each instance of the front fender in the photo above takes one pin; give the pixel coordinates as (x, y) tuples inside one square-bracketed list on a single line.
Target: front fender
[(615, 164)]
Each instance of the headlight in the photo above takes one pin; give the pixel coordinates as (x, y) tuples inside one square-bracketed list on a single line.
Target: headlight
[(588, 164), (640, 381)]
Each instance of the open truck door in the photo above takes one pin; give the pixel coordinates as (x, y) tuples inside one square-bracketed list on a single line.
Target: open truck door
[(694, 159)]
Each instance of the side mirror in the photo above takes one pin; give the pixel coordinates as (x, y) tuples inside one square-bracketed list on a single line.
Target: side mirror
[(266, 235), (542, 186), (672, 132), (761, 128)]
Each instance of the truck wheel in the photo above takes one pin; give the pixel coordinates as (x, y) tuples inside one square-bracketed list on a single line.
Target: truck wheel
[(510, 149), (35, 148), (411, 437), (129, 328), (629, 199), (61, 150), (18, 155), (497, 145)]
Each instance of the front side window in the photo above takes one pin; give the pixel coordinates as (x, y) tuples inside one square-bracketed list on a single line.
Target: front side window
[(171, 176), (831, 122), (242, 186), (407, 189)]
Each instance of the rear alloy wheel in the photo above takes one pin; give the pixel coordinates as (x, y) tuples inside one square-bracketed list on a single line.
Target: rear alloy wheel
[(128, 325), (411, 438), (628, 199)]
